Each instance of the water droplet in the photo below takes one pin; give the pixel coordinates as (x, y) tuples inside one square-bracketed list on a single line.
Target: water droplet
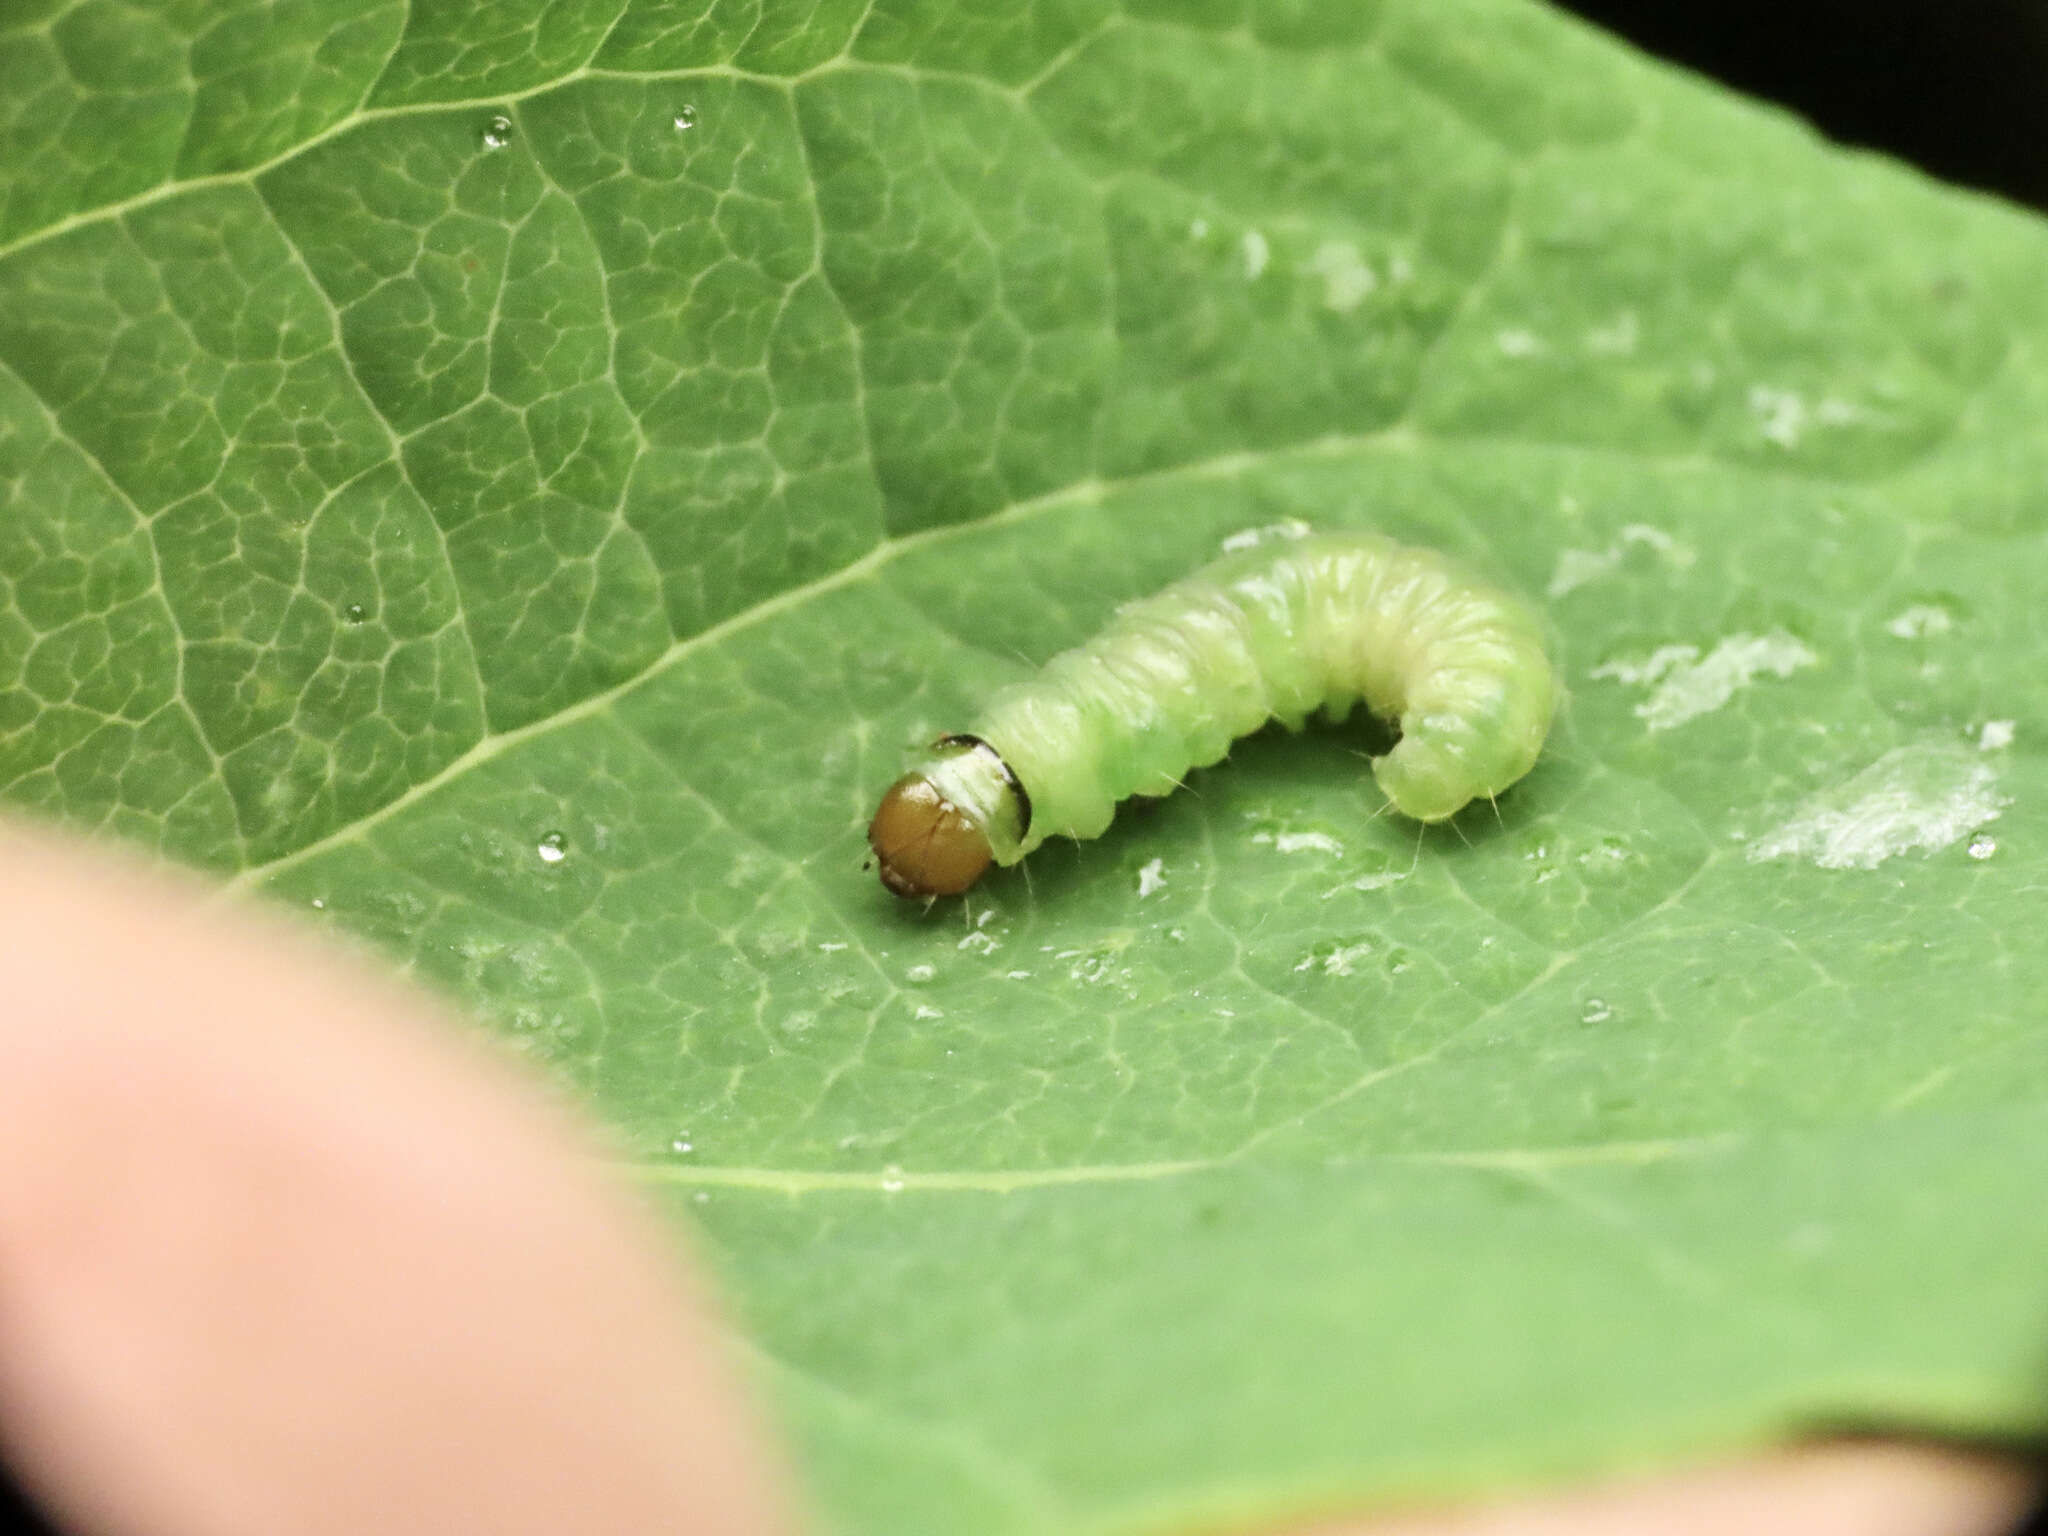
[(1983, 845), (354, 613), (680, 1144), (685, 118), (892, 1180), (701, 1198), (919, 974), (497, 132), (319, 903), (553, 848), (1596, 1011)]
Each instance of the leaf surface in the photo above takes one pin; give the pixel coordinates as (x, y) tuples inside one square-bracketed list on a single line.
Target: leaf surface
[(513, 481)]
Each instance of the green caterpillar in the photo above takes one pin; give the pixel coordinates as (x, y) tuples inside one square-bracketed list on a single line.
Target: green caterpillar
[(1274, 632)]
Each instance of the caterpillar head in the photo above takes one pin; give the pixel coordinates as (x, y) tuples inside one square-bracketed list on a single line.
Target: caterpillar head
[(940, 826), (924, 844)]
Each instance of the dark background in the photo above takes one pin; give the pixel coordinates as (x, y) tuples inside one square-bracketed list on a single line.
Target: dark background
[(1960, 87)]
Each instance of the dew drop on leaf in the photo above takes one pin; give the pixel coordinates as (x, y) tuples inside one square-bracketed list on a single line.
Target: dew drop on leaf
[(1596, 1011), (354, 613), (892, 1180), (685, 118), (553, 848), (497, 132), (1983, 846)]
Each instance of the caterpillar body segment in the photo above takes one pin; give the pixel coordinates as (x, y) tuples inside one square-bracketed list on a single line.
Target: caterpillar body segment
[(1274, 632)]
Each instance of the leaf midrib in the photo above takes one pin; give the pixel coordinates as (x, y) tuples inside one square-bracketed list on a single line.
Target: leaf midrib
[(1004, 1181)]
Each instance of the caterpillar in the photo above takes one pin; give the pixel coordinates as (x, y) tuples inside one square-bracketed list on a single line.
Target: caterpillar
[(1272, 632)]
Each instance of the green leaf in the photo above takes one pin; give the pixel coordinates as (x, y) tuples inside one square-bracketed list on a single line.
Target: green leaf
[(513, 480)]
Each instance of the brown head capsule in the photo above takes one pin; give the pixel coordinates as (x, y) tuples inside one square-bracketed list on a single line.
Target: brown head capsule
[(924, 843)]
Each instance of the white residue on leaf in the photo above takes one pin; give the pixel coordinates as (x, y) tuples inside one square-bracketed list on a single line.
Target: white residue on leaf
[(1615, 339), (1151, 878), (1780, 415), (1379, 880), (1576, 567), (1347, 280), (1256, 254), (1923, 797), (1338, 962), (1515, 342), (1922, 621), (1266, 533), (1996, 734), (980, 941), (1685, 685), (1299, 842)]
